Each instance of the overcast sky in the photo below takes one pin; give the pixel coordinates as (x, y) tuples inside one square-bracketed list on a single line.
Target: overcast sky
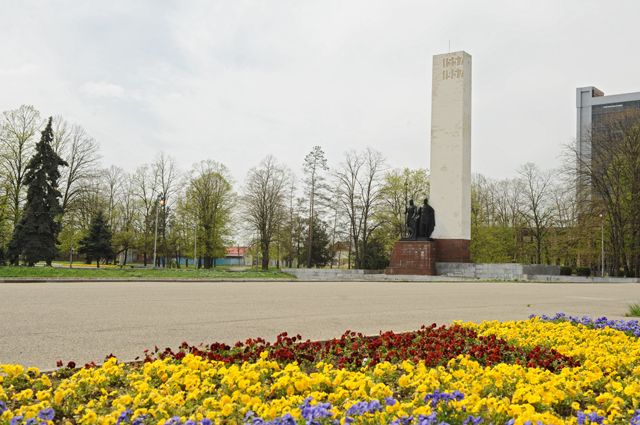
[(236, 80)]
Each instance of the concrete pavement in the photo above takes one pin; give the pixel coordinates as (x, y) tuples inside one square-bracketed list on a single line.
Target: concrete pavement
[(84, 321)]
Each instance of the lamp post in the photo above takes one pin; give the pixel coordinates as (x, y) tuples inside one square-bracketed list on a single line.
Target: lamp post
[(601, 245), (406, 208), (195, 245), (71, 258), (159, 203)]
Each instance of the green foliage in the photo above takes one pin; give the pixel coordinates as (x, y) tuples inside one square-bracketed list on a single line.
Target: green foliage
[(68, 238), (97, 243), (566, 271), (320, 252), (376, 254), (209, 201), (583, 271), (492, 244), (5, 226), (634, 310), (136, 273), (399, 187), (35, 235)]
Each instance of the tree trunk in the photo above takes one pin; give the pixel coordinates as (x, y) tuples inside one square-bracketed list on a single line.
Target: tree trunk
[(265, 256)]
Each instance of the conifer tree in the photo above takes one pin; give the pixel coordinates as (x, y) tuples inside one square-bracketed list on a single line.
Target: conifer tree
[(320, 253), (35, 235), (96, 245)]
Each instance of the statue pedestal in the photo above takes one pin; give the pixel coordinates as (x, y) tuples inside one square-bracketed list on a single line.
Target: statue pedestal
[(413, 257), (453, 250)]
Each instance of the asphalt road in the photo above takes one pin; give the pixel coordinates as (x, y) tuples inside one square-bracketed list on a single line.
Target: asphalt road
[(84, 321)]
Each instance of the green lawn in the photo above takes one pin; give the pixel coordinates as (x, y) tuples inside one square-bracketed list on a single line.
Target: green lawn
[(85, 272)]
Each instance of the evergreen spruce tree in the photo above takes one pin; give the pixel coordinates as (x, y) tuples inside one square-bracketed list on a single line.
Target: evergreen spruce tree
[(35, 235), (96, 245), (320, 252)]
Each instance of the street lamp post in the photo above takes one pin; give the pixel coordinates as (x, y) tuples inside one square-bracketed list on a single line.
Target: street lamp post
[(159, 203), (601, 245), (71, 258), (195, 245)]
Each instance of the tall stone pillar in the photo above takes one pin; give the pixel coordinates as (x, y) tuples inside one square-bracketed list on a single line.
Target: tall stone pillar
[(451, 155)]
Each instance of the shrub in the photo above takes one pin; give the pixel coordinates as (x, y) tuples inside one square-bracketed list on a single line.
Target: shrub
[(583, 271), (634, 310), (566, 271)]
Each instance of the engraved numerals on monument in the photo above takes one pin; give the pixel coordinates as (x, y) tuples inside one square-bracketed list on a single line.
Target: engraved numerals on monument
[(452, 68)]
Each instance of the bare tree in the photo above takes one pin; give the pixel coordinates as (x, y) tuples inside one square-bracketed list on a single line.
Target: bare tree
[(127, 210), (17, 141), (359, 179), (315, 164), (113, 180), (347, 182), (146, 189), (537, 208), (80, 150), (166, 175), (264, 199)]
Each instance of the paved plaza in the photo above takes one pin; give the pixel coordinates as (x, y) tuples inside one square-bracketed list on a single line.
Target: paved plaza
[(84, 321)]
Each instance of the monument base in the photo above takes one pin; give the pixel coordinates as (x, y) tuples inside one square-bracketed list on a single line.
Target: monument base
[(413, 257), (453, 250)]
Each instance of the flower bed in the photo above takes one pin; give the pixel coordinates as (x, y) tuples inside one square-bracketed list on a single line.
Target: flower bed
[(431, 345), (550, 372)]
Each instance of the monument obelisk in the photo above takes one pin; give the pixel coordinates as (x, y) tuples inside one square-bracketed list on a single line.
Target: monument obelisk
[(450, 173), (451, 155)]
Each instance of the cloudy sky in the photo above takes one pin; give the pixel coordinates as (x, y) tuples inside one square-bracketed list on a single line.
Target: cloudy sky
[(236, 80)]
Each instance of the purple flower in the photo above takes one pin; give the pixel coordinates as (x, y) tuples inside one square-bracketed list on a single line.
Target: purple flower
[(3, 407), (286, 419), (595, 418), (406, 420), (472, 420), (628, 326), (437, 396), (206, 421), (318, 411), (363, 407), (139, 420), (31, 421), (16, 420), (47, 414), (124, 417), (174, 421), (428, 420), (390, 401)]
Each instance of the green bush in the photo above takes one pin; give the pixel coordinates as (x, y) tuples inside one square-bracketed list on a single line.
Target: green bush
[(634, 310), (566, 271), (583, 271)]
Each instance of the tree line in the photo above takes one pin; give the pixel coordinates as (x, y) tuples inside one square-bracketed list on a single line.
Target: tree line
[(346, 214)]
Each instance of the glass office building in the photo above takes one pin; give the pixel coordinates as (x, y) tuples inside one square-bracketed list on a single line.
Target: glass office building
[(594, 111)]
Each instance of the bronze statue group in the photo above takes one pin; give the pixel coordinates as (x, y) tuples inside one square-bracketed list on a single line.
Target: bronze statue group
[(420, 222)]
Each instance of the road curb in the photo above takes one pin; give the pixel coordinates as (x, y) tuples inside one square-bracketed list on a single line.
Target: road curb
[(84, 280)]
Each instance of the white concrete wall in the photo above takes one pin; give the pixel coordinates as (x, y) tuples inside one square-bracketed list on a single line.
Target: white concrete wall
[(451, 145)]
